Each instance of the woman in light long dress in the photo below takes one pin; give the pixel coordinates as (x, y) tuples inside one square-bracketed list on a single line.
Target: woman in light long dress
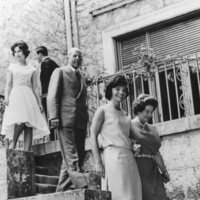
[(111, 130), (23, 104)]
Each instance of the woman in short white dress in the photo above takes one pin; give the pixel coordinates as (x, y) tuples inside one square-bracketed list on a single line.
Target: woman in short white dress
[(23, 104), (111, 129)]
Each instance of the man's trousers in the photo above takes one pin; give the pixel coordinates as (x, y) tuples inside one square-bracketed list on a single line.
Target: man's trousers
[(72, 145)]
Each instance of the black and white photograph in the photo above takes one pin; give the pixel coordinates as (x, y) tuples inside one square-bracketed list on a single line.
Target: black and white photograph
[(100, 100)]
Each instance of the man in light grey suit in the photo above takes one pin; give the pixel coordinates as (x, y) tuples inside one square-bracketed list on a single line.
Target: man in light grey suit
[(67, 109)]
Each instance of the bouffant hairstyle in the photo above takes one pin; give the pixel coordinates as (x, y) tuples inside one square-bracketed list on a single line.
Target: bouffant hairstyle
[(115, 82), (23, 46), (143, 100), (42, 49)]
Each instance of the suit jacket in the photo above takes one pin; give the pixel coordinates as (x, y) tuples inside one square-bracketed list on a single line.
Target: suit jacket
[(66, 98), (47, 68)]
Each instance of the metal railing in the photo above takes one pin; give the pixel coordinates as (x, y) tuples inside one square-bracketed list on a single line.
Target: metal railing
[(178, 88), (174, 82)]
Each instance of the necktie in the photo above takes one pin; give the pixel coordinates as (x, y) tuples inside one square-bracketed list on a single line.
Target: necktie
[(78, 75)]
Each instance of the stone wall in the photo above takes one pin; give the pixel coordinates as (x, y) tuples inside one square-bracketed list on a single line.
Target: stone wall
[(38, 22), (180, 151), (17, 176), (90, 28), (181, 154), (180, 147)]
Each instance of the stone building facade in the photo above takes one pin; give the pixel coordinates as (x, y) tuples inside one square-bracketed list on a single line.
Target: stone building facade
[(99, 24), (111, 15)]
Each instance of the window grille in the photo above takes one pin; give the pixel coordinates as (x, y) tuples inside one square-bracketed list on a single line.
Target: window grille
[(175, 82)]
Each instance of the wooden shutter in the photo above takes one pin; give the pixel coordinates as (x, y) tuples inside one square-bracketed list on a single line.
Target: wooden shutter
[(182, 38), (127, 46)]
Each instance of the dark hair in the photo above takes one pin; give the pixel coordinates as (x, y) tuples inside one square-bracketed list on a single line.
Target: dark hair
[(42, 49), (23, 46), (114, 82), (142, 101)]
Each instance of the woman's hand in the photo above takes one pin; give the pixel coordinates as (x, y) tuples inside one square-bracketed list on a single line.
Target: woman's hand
[(162, 168), (100, 170), (165, 177), (137, 148), (54, 123)]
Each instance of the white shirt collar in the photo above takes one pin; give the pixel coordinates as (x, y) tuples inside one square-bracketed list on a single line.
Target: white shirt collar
[(45, 58), (74, 70)]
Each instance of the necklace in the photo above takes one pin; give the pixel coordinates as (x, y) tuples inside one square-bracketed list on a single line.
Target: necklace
[(141, 124)]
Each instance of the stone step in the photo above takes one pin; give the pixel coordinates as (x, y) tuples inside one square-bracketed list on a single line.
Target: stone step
[(94, 181), (81, 194), (51, 171), (45, 188), (53, 180), (52, 161)]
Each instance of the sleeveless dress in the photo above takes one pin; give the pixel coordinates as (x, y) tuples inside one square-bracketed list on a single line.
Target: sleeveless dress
[(23, 106), (152, 184), (120, 165)]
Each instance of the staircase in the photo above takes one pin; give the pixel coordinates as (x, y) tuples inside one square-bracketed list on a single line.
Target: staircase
[(47, 172), (24, 179), (48, 169), (46, 184)]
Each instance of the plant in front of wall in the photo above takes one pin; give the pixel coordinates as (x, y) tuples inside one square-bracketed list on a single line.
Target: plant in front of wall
[(147, 61)]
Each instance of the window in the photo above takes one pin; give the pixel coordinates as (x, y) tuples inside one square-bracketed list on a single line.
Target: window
[(176, 80)]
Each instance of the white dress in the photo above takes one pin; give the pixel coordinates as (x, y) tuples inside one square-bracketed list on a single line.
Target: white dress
[(23, 106), (120, 165)]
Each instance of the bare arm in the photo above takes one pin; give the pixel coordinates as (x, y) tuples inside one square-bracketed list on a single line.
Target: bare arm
[(38, 81), (9, 85), (36, 90), (162, 167), (95, 129), (160, 163), (159, 159)]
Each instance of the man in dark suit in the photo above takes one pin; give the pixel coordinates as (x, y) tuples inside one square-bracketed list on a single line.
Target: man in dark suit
[(47, 68), (67, 110)]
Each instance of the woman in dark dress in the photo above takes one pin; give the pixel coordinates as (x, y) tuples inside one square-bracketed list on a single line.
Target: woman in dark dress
[(151, 167)]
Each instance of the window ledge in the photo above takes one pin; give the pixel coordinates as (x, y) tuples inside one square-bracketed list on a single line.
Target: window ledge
[(179, 125), (110, 7)]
